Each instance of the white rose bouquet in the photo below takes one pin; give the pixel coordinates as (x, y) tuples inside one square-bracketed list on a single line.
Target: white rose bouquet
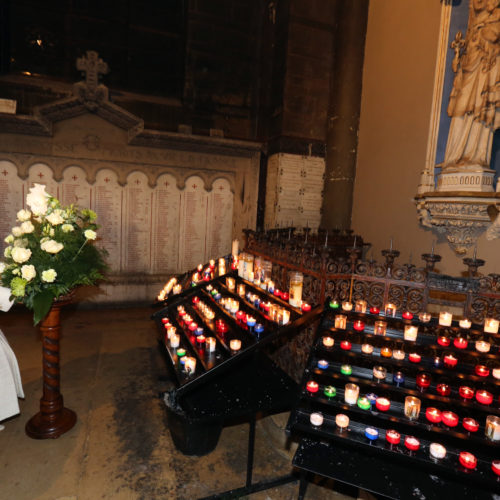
[(50, 252)]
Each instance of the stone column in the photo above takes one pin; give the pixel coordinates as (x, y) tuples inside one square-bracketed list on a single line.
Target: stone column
[(343, 113)]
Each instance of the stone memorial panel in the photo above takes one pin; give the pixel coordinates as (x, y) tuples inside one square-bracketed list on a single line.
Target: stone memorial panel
[(220, 219), (74, 187), (11, 198)]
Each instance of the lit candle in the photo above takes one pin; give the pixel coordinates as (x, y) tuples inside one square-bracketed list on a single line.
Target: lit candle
[(379, 373), (460, 342), (374, 310), (211, 344), (334, 304), (445, 318), (450, 361), (444, 340), (235, 344), (382, 404), (436, 361), (165, 321), (465, 392), (492, 429), (482, 346), (414, 357), (347, 306), (241, 290), (491, 325), (305, 307), (270, 286), (367, 348), (171, 330), (351, 394), (345, 345), (484, 397), (177, 289), (465, 323), (371, 433), (175, 340), (360, 306), (328, 341), (258, 329), (410, 333), (322, 364), (398, 354), (390, 309), (342, 421), (393, 437), (468, 460), (443, 389), (330, 391), (372, 398), (449, 418), (386, 352), (230, 283), (190, 365), (433, 415), (424, 317), (251, 322), (412, 443), (316, 419), (496, 372), (312, 386), (482, 371), (398, 378), (495, 467), (181, 352), (346, 369), (437, 451), (407, 315), (364, 403), (379, 327), (358, 325), (340, 321), (470, 424), (240, 315), (412, 407), (200, 340)]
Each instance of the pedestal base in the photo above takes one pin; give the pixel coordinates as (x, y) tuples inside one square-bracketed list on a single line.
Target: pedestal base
[(38, 427)]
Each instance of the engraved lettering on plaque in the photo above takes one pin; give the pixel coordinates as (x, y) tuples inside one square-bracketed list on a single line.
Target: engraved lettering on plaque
[(74, 188), (220, 219), (11, 197)]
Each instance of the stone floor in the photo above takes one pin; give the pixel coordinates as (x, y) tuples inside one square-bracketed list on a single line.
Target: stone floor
[(120, 447)]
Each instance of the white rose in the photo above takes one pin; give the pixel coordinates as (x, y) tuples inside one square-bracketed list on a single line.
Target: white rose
[(28, 272), (21, 255), (7, 252), (49, 276), (37, 199), (23, 215), (27, 227), (52, 232), (17, 231), (55, 218), (90, 235), (21, 243), (67, 228), (2, 267), (51, 246), (9, 239)]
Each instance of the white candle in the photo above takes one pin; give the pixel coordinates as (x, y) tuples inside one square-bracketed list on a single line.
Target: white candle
[(347, 306), (351, 394), (175, 340), (170, 331), (390, 309), (482, 346), (492, 429), (445, 318), (177, 289), (235, 344), (328, 341), (424, 317), (398, 354), (342, 421), (367, 348), (410, 332), (190, 364), (496, 372), (491, 325), (316, 419), (360, 306), (465, 323), (340, 321), (437, 451), (211, 343)]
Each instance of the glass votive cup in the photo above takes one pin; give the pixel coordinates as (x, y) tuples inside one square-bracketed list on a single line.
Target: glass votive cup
[(380, 327), (412, 407), (492, 428), (424, 317), (351, 394), (316, 419), (379, 373), (347, 306), (410, 333), (360, 306), (445, 318), (390, 309), (366, 348), (342, 421), (340, 321), (491, 325)]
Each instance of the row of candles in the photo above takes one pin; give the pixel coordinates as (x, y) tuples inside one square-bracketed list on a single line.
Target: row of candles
[(411, 409), (437, 451), (410, 333), (449, 360), (423, 382), (491, 325)]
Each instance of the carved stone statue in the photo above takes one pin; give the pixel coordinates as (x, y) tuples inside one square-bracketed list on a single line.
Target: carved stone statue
[(474, 102)]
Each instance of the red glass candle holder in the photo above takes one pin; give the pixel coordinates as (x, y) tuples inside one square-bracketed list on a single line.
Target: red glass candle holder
[(460, 342), (392, 436), (285, 295), (200, 340), (450, 361), (482, 371), (465, 392), (165, 320), (345, 345), (305, 307), (382, 404), (449, 418), (240, 315), (433, 415), (407, 315), (312, 386), (495, 467), (423, 381), (444, 340), (467, 460), (374, 310), (412, 443), (470, 424), (358, 325), (443, 389), (414, 357), (195, 299), (484, 397), (277, 293), (192, 327)]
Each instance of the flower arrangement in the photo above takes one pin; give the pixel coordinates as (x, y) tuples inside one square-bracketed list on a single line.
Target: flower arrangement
[(50, 252)]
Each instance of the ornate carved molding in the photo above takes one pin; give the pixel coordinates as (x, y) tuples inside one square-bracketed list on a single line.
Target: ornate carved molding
[(460, 216)]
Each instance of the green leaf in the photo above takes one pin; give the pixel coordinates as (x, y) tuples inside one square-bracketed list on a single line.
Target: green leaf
[(41, 305)]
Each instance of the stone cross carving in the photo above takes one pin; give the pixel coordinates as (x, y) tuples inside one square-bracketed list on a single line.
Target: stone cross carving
[(93, 66)]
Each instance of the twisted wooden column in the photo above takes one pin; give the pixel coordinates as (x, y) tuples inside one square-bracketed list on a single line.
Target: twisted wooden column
[(53, 419)]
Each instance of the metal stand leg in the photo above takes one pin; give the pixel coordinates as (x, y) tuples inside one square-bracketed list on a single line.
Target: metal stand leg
[(302, 485)]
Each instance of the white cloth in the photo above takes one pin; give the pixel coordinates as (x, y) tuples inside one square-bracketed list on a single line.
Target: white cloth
[(10, 381), (5, 303)]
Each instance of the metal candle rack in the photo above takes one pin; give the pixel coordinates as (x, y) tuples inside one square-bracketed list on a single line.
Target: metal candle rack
[(335, 372)]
